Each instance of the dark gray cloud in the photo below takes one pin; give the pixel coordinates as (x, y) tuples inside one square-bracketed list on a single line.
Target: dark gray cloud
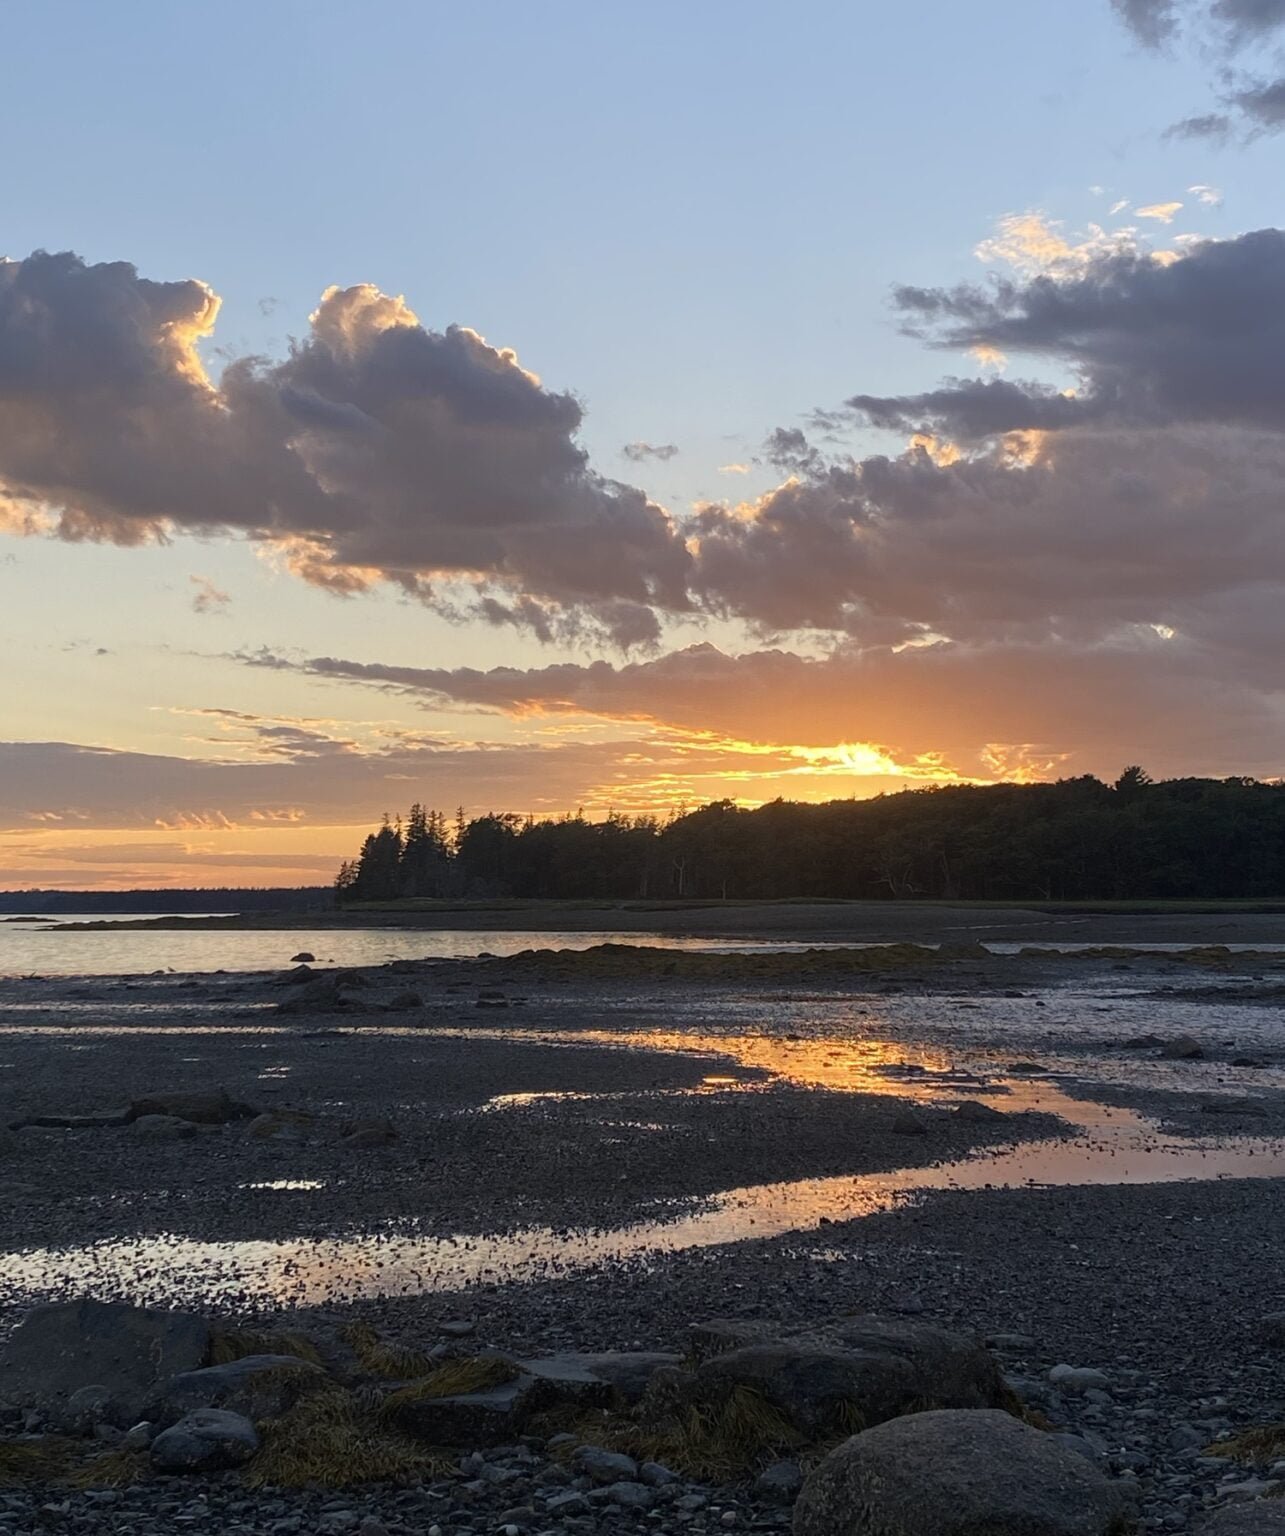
[(1228, 25), (376, 450), (788, 449), (1197, 339), (982, 707), (1224, 31), (639, 453), (1263, 104), (1152, 22)]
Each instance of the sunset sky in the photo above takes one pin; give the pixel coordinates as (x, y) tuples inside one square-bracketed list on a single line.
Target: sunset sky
[(531, 407)]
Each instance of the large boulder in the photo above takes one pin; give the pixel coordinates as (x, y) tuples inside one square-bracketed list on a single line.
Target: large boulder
[(863, 1369), (820, 1391), (959, 1472), (214, 1107), (257, 1386), (129, 1351), (205, 1441)]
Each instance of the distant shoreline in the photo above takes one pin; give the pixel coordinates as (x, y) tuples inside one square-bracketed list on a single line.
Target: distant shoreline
[(1211, 922)]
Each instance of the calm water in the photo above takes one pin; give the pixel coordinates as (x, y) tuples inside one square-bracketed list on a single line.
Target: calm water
[(43, 949)]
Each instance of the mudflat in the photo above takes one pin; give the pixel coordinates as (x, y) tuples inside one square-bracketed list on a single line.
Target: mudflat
[(1079, 1154)]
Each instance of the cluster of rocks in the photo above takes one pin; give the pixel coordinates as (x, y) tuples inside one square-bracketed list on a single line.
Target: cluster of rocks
[(182, 1116), (864, 1424)]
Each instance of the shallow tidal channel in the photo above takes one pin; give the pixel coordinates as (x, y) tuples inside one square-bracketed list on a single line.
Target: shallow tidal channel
[(931, 1053)]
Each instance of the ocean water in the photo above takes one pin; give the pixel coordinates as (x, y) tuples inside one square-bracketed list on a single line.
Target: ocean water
[(46, 949)]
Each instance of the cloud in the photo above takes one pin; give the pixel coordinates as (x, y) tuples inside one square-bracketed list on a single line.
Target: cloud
[(639, 453), (377, 450), (733, 469), (1263, 105), (1211, 197), (972, 709), (208, 598), (1163, 213), (1197, 338), (1152, 22), (1221, 31)]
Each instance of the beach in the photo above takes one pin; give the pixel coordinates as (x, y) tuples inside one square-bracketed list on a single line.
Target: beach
[(592, 1149)]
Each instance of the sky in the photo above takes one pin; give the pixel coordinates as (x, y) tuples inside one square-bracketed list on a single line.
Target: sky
[(536, 408)]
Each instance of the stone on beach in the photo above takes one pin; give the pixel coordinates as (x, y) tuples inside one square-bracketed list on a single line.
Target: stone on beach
[(163, 1128), (257, 1386), (60, 1347), (871, 1367), (1183, 1048), (216, 1107), (205, 1441), (957, 1473)]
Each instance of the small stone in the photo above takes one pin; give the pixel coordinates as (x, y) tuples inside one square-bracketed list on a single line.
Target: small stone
[(1079, 1379), (205, 1441), (567, 1503), (780, 1483), (1183, 1048), (139, 1436), (304, 957), (656, 1476), (605, 1467), (631, 1495)]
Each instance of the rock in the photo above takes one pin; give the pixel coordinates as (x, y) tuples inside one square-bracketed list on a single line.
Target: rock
[(256, 1386), (405, 1000), (1011, 1343), (653, 1475), (780, 1483), (205, 1441), (817, 1389), (163, 1128), (956, 1473), (1078, 1444), (1271, 1330), (214, 1108), (102, 1120), (907, 1124), (58, 1348), (873, 1367), (1070, 1378), (304, 957), (457, 1328), (1184, 1048), (974, 1112), (320, 994), (139, 1436), (625, 1372), (561, 1380), (87, 1408), (716, 1336), (280, 1125), (604, 1467), (493, 1417), (1265, 1517), (368, 1133), (569, 1503), (631, 1495)]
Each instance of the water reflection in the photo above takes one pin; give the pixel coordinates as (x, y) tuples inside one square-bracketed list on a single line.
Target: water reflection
[(304, 1272)]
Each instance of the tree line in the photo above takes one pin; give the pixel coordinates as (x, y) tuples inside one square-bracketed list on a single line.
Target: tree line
[(1074, 840)]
